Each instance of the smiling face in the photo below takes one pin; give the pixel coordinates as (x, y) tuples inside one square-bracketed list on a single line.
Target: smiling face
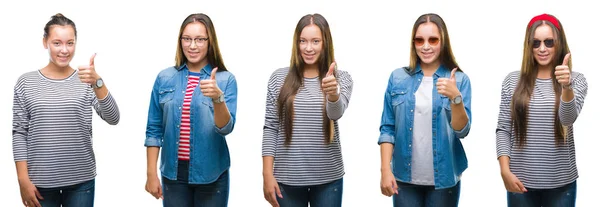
[(311, 44), (194, 42), (543, 45), (60, 44), (427, 43)]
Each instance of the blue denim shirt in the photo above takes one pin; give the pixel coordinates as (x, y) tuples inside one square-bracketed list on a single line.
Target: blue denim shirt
[(209, 154), (449, 159)]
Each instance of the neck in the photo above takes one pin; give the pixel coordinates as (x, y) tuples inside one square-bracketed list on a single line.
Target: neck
[(429, 69), (544, 72), (53, 71), (197, 67), (311, 71)]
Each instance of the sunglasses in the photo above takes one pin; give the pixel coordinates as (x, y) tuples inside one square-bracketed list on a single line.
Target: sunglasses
[(432, 41), (548, 42)]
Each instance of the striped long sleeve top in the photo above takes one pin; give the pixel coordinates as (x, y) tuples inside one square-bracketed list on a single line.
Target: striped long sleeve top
[(540, 163), (52, 128), (307, 160)]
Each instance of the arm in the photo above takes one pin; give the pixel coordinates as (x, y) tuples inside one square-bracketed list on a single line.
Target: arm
[(571, 101), (106, 107), (151, 160), (335, 109), (154, 125), (504, 129), (461, 113), (225, 112), (387, 127)]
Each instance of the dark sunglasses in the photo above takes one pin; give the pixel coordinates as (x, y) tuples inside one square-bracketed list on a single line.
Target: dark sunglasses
[(432, 41), (548, 42)]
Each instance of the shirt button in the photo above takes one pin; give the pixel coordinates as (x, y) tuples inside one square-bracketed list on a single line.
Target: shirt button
[(410, 129), (408, 164), (411, 110), (410, 145), (178, 126)]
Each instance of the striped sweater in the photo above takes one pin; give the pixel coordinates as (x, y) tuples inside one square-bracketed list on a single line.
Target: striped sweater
[(307, 160), (540, 164), (52, 128)]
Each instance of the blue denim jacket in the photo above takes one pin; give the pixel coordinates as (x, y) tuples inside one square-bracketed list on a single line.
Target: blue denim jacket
[(449, 159), (209, 154)]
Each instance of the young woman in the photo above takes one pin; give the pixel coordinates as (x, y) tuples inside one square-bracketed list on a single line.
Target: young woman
[(539, 104), (426, 111), (192, 109), (302, 159), (52, 123)]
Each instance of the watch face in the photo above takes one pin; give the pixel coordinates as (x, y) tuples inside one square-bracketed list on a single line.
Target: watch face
[(457, 100), (99, 83)]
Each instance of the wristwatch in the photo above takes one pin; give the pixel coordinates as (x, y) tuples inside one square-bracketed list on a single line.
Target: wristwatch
[(456, 100), (221, 99), (99, 83)]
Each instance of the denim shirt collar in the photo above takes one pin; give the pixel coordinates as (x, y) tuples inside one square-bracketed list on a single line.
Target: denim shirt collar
[(442, 71), (207, 69)]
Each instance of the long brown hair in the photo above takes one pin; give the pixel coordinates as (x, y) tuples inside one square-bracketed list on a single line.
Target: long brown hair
[(295, 76), (214, 54), (446, 56), (528, 76)]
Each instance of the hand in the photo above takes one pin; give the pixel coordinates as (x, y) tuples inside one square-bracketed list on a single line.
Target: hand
[(389, 186), (270, 188), (512, 183), (447, 86), (87, 73), (330, 85), (209, 87), (563, 73), (153, 187), (30, 194)]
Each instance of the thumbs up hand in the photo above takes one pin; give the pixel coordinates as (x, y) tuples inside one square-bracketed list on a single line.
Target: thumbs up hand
[(330, 85), (209, 87), (447, 86), (87, 73), (563, 73)]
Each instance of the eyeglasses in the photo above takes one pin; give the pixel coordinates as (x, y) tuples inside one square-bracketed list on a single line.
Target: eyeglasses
[(187, 41), (432, 41), (548, 42)]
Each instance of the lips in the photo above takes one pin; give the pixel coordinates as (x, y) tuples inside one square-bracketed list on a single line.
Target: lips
[(62, 58), (194, 54), (427, 54)]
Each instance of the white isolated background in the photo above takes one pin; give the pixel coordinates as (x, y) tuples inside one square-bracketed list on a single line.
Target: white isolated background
[(134, 40)]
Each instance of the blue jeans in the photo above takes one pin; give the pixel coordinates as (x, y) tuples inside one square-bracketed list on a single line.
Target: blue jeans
[(179, 193), (563, 196), (78, 195), (410, 195), (324, 195)]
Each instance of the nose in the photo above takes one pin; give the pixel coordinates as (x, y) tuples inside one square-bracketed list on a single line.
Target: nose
[(193, 45), (426, 46), (64, 49), (543, 47)]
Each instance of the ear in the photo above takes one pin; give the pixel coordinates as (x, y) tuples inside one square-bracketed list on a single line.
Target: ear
[(44, 43)]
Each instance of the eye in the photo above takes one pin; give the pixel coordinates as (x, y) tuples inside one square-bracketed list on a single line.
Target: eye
[(71, 43), (187, 39), (302, 41), (56, 44), (316, 41)]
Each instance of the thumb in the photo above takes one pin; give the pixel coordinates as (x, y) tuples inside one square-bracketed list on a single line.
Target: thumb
[(566, 60), (213, 74), (395, 186), (331, 69), (92, 59), (452, 74), (521, 186)]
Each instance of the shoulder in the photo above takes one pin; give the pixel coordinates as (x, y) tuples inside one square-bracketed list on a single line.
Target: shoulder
[(343, 75), (578, 76), (279, 74), (167, 72), (399, 74), (26, 77)]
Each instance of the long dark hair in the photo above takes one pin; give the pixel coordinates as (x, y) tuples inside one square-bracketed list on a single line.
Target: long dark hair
[(295, 76), (529, 71), (214, 54), (446, 56)]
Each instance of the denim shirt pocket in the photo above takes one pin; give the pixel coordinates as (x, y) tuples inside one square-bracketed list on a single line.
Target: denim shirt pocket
[(400, 106), (165, 95)]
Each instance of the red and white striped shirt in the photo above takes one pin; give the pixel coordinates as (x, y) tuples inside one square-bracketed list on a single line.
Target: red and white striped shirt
[(184, 131)]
